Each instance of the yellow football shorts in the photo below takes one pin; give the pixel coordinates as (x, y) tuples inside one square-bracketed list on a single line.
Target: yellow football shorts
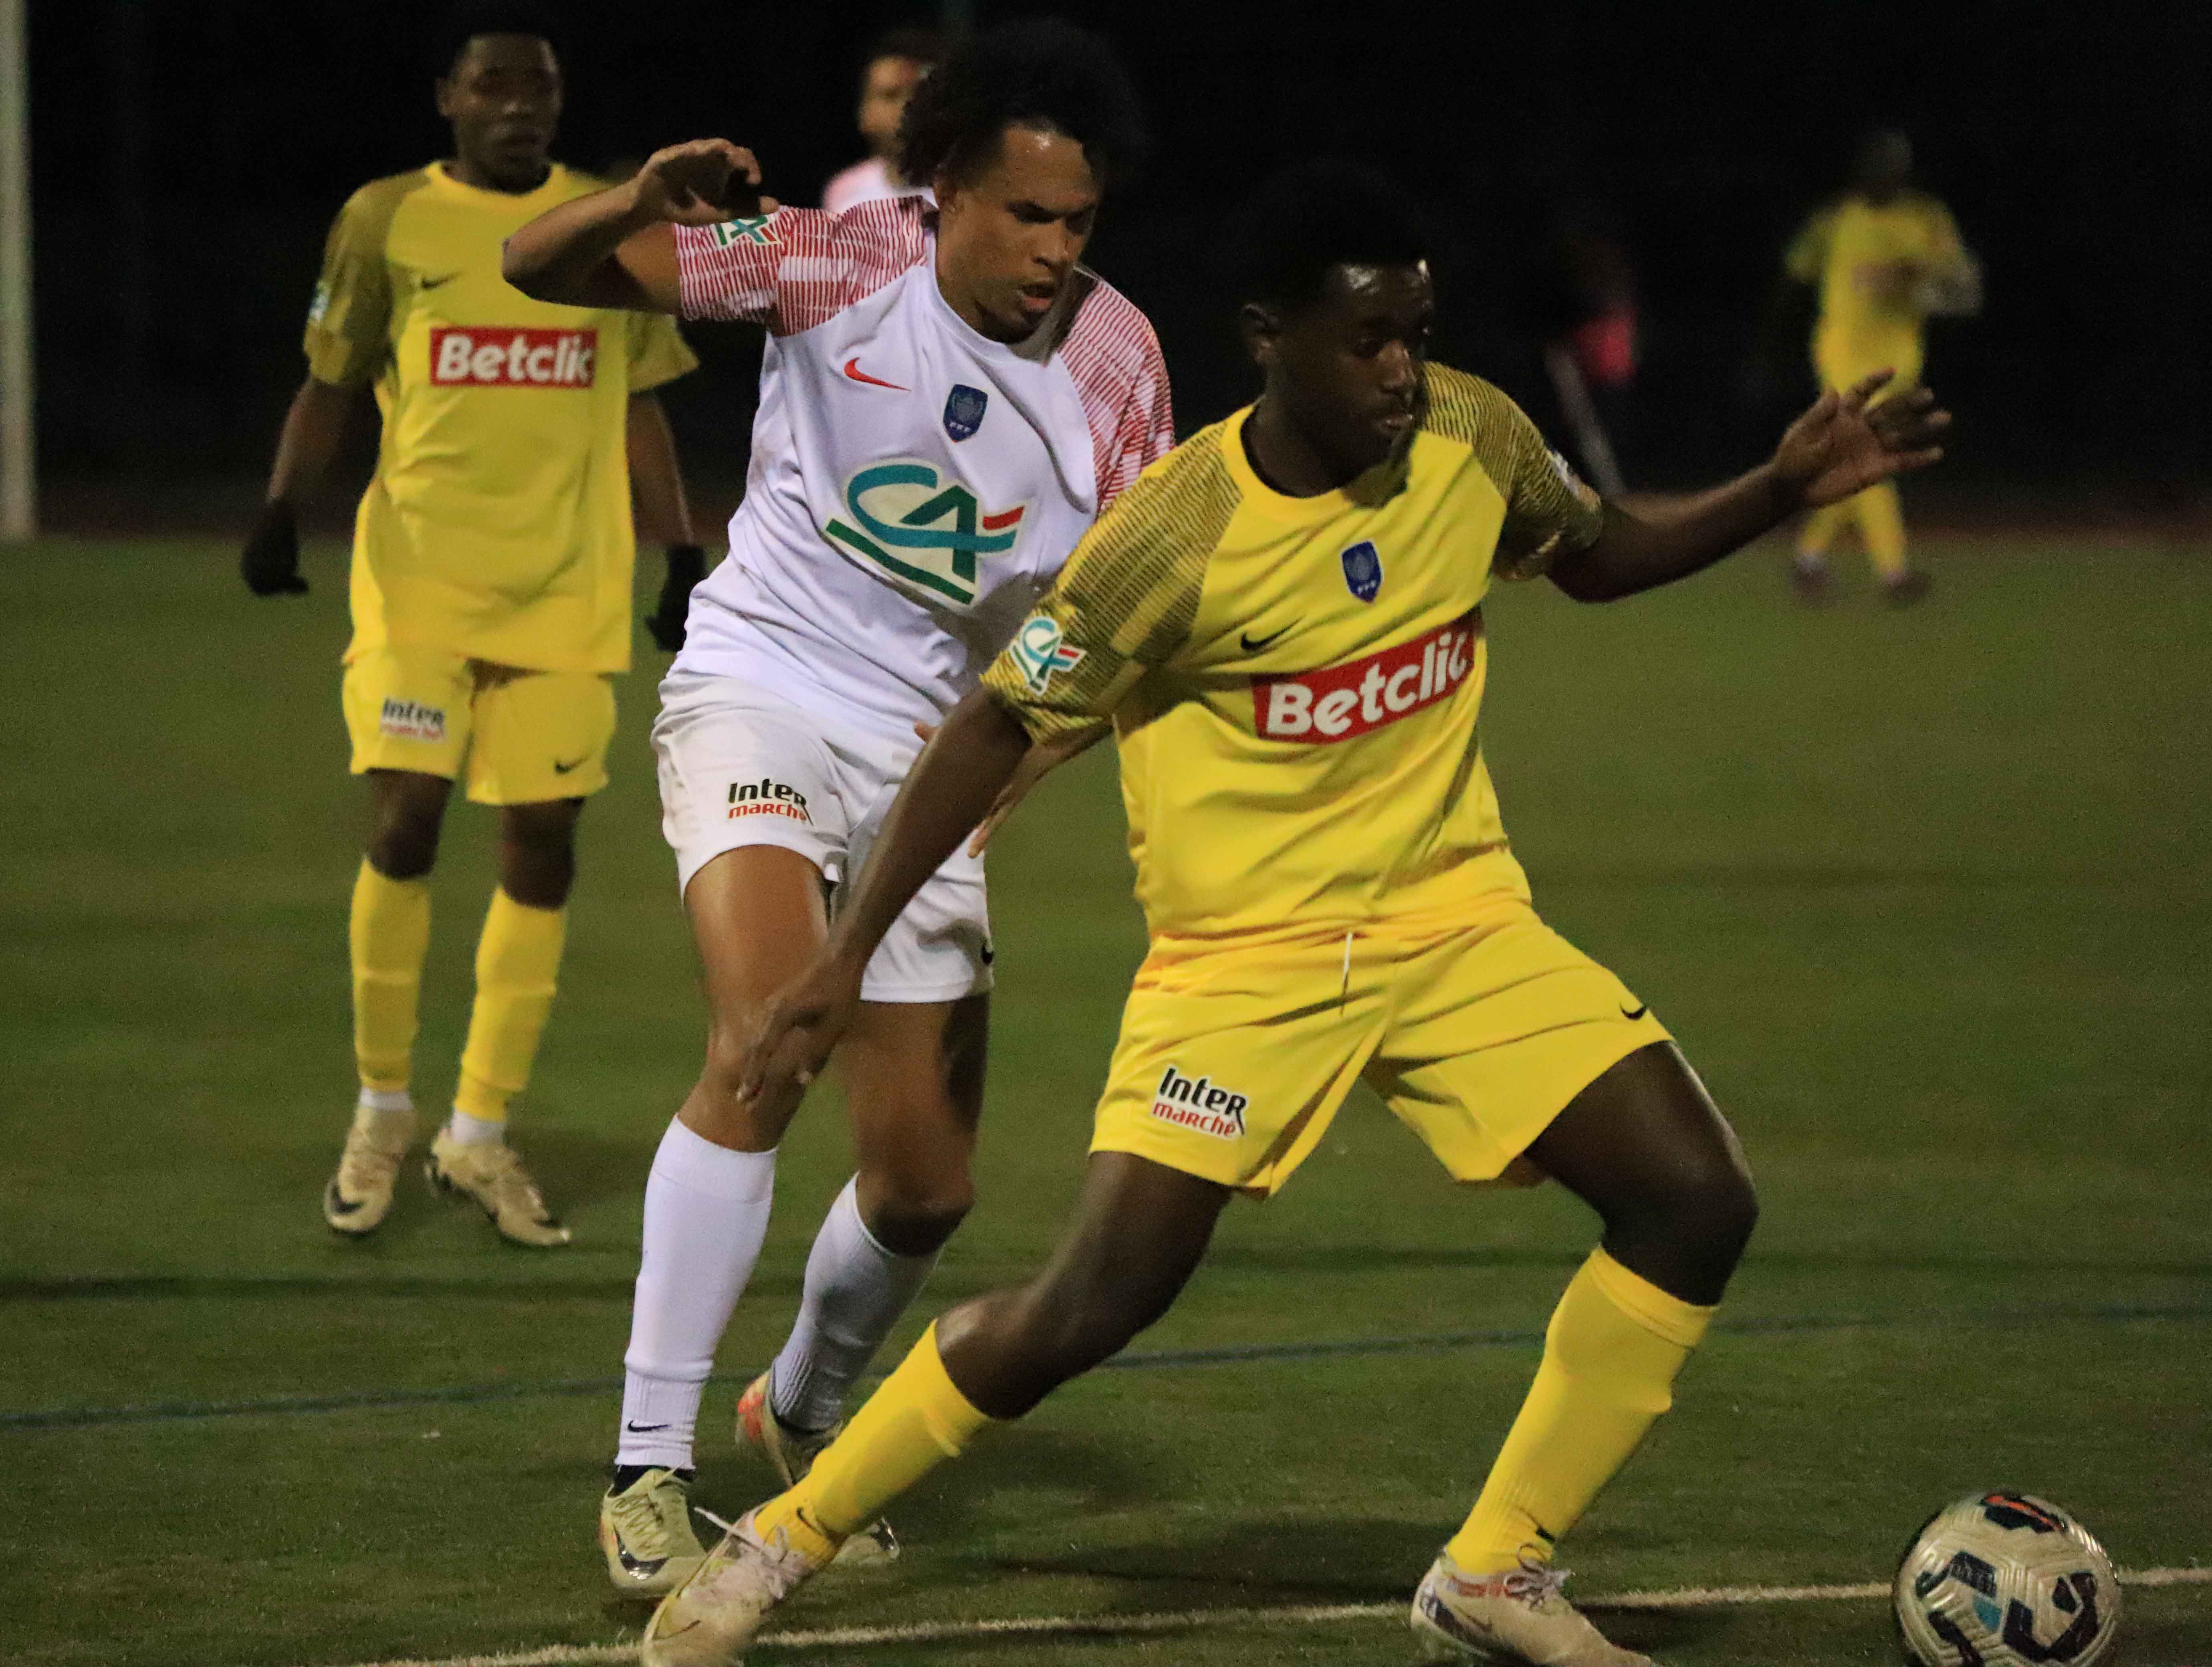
[(1845, 361), (1233, 1061), (527, 736)]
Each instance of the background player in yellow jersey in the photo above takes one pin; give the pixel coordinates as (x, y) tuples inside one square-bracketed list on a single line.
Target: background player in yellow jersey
[(1283, 620), (1883, 259), (491, 587)]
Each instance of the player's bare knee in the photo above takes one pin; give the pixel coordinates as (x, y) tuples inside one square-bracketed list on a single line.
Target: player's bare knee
[(914, 1199), (403, 846), (537, 876), (1701, 1218), (1728, 1208), (918, 1221), (724, 1067)]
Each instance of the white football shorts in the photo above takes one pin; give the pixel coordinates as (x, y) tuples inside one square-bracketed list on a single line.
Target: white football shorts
[(740, 766)]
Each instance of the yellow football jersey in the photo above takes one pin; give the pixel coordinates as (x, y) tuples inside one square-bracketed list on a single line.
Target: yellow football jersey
[(1848, 250), (1294, 682), (498, 524)]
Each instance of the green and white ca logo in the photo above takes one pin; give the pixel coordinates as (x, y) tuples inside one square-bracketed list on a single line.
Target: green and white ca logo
[(921, 531)]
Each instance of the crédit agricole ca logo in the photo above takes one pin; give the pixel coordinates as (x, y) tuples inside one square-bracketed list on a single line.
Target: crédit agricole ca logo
[(921, 531)]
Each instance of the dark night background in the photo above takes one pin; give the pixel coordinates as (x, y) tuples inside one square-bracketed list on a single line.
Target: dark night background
[(189, 154)]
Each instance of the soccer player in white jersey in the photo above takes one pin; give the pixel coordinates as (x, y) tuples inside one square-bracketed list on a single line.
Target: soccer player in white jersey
[(895, 67), (947, 401)]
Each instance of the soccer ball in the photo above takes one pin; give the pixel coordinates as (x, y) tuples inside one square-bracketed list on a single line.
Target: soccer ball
[(2005, 1580)]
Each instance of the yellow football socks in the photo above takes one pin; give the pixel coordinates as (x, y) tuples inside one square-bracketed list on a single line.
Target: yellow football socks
[(1878, 513), (916, 1421), (1882, 529), (517, 967), (388, 935), (1616, 1342), (1820, 528)]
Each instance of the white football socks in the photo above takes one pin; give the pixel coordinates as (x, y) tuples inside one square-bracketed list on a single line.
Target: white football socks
[(386, 1099), (855, 1292), (706, 1213), (474, 1131)]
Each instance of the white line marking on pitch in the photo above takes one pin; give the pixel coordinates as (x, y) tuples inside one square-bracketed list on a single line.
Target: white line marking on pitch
[(1108, 1625)]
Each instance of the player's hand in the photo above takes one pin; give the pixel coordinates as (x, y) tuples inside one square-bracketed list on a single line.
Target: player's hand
[(1845, 442), (794, 1036), (687, 566), (1039, 762), (701, 182), (270, 563)]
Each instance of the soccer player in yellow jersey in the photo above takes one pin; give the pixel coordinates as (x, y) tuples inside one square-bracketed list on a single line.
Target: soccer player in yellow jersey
[(1883, 259), (1284, 622), (491, 589)]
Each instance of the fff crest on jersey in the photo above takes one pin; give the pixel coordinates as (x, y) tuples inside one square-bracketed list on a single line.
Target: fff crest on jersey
[(964, 410), (1362, 569)]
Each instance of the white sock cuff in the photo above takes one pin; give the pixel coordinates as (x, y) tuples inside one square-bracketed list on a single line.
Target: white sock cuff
[(848, 1204), (696, 1164), (476, 1131), (386, 1099)]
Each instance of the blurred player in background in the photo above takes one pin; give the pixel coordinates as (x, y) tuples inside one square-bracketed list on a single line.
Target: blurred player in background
[(1883, 259), (947, 401), (491, 587), (1284, 622), (895, 67), (1590, 318)]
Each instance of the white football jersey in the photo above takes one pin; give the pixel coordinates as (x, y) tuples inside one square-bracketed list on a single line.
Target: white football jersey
[(915, 486)]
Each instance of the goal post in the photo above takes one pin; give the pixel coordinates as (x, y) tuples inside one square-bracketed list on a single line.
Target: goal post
[(19, 488)]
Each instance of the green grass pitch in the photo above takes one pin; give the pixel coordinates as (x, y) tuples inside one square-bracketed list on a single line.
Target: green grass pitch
[(1924, 894)]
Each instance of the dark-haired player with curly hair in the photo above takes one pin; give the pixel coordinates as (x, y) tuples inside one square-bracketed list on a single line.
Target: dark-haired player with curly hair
[(1284, 623), (948, 400)]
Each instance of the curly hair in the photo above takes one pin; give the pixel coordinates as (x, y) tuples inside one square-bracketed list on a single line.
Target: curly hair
[(1320, 214), (1039, 73)]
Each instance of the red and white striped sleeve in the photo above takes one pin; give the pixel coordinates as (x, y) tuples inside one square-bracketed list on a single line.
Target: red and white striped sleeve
[(796, 268), (1123, 380)]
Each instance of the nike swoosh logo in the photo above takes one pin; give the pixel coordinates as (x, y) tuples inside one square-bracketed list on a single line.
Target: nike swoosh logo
[(644, 1429), (852, 369), (644, 1567), (1641, 1009), (433, 283), (560, 769), (1252, 644)]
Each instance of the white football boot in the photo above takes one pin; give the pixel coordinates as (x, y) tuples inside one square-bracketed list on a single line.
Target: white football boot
[(490, 1174), (359, 1195), (792, 1453), (1518, 1616), (645, 1532), (709, 1620)]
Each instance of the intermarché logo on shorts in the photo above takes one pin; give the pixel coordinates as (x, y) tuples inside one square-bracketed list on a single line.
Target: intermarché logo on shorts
[(767, 798), (1200, 1106)]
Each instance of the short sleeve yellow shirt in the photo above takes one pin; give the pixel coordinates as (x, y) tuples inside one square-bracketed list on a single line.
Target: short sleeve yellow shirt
[(1847, 252), (1294, 683), (498, 523)]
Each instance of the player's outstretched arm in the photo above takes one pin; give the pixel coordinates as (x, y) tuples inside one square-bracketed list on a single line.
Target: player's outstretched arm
[(315, 426), (952, 786), (1843, 445), (614, 248)]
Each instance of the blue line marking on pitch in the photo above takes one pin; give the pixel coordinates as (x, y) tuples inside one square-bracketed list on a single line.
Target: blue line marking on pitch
[(167, 1412)]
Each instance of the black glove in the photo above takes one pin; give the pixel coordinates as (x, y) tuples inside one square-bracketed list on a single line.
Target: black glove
[(271, 561), (687, 566)]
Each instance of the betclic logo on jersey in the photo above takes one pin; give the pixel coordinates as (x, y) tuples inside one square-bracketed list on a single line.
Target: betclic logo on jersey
[(1340, 702), (487, 357)]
